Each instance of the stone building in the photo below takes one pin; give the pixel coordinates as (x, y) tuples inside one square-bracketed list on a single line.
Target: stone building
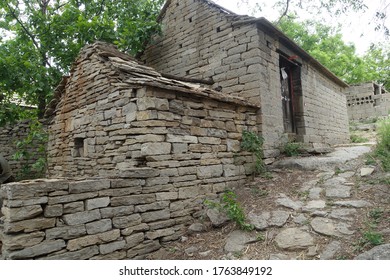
[(251, 58), (367, 100)]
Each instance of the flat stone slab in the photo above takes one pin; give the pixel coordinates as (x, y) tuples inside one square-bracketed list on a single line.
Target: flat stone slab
[(340, 191), (366, 171), (238, 240), (314, 205), (289, 203), (294, 239), (315, 193), (300, 219), (330, 250), (268, 219), (353, 203), (329, 227), (343, 214), (381, 252), (217, 218), (339, 156)]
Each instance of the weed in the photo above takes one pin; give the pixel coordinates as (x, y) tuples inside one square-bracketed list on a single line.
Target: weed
[(232, 208), (238, 255), (337, 171), (260, 237), (253, 143), (370, 160), (373, 238), (358, 139), (292, 149), (375, 215), (259, 192)]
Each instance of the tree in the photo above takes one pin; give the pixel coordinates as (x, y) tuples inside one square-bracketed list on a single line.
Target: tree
[(45, 36), (377, 64)]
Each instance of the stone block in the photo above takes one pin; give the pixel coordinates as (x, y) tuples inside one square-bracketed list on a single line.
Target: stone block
[(65, 232), (211, 171), (54, 211), (149, 149), (159, 233), (83, 254), (73, 207), (210, 140), (96, 239), (182, 139), (139, 173), (153, 206), (166, 196), (112, 247), (81, 217), (134, 240), (43, 248), (155, 216), (95, 203), (22, 213), (99, 226), (88, 186), (19, 241), (189, 192), (133, 200), (110, 212), (29, 225), (126, 221), (134, 229)]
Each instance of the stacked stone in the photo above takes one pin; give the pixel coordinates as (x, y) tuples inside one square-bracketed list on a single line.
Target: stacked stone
[(325, 111), (367, 101), (91, 219), (118, 123)]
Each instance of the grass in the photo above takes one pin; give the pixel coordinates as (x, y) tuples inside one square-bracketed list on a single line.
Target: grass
[(370, 237), (358, 139), (382, 151)]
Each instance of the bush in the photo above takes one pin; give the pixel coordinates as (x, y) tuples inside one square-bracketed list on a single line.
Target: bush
[(382, 151), (292, 149), (253, 143)]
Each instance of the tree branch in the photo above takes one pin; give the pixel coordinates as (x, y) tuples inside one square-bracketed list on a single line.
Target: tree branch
[(285, 11)]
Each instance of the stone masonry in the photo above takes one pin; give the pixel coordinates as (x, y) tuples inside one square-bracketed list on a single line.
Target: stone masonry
[(242, 57), (368, 100), (147, 151)]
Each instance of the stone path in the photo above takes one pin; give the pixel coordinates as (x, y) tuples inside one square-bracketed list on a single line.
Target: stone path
[(328, 213)]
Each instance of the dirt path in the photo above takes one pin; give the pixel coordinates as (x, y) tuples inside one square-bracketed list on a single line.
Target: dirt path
[(299, 212)]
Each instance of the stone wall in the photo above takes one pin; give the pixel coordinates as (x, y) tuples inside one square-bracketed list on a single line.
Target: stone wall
[(10, 135), (325, 111), (95, 219), (241, 55), (367, 101)]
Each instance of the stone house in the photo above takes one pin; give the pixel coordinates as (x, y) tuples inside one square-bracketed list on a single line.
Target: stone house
[(367, 100), (250, 58)]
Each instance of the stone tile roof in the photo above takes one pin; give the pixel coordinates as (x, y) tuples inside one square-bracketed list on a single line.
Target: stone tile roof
[(132, 72)]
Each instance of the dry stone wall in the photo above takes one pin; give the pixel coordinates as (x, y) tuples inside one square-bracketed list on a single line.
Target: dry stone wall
[(94, 219), (367, 101)]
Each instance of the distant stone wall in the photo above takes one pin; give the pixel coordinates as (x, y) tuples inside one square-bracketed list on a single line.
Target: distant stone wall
[(95, 219), (325, 111), (9, 136), (367, 101)]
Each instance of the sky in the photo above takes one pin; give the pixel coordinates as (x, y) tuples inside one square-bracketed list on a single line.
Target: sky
[(355, 27)]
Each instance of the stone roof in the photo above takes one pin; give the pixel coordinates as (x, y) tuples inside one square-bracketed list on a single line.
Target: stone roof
[(131, 72)]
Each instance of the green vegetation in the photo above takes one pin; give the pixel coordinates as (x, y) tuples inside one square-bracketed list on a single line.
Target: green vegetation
[(37, 137), (357, 138), (382, 151), (232, 208), (253, 143), (326, 45), (292, 149), (370, 237), (44, 37)]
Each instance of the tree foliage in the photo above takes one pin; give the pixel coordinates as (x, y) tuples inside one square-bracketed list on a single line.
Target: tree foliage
[(44, 37), (326, 45)]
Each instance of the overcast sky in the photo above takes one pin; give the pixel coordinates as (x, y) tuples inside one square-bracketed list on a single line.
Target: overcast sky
[(355, 26)]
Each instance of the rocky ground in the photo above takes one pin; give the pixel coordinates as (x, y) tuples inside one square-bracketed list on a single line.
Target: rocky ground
[(324, 207)]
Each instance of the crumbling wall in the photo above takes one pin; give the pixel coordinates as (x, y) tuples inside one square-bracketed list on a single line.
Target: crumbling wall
[(367, 101), (95, 219)]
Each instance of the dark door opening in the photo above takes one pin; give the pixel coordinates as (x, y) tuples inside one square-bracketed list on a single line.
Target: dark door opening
[(290, 80)]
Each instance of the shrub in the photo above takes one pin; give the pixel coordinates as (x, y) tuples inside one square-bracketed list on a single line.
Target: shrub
[(253, 143), (292, 149)]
